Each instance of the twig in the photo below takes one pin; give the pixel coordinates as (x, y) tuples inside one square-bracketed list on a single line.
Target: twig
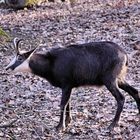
[(10, 124), (4, 107)]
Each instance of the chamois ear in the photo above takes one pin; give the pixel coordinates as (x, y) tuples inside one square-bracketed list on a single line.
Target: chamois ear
[(31, 52), (27, 54)]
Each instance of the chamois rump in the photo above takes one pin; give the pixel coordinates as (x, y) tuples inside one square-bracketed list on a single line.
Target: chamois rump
[(95, 63)]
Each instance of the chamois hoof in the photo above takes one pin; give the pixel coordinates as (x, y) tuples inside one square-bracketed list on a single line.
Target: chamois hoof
[(68, 121), (60, 128), (111, 127)]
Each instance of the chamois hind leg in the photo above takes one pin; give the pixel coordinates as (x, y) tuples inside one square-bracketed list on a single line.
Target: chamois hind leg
[(131, 91), (68, 114), (112, 86)]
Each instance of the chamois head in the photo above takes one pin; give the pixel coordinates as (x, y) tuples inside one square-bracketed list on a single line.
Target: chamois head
[(20, 62)]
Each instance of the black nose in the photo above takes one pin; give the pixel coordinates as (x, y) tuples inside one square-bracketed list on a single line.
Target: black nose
[(10, 67), (6, 68)]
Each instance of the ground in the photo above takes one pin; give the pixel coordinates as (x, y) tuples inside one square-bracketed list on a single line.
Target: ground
[(29, 105)]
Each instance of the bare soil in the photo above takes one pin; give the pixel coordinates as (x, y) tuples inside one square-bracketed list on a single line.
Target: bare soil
[(29, 105)]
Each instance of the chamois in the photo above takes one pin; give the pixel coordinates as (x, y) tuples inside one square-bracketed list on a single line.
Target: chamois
[(95, 63)]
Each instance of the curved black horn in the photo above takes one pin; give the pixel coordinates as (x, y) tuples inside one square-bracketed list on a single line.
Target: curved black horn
[(16, 42)]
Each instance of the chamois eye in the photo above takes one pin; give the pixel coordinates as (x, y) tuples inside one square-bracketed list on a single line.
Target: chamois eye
[(20, 58)]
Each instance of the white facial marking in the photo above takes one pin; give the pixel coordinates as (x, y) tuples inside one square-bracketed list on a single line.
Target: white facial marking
[(24, 67), (12, 62), (23, 51)]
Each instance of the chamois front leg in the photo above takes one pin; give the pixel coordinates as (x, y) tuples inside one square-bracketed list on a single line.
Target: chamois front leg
[(66, 92)]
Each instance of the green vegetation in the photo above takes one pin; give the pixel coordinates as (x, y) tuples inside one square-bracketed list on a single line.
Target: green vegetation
[(31, 2), (3, 36), (19, 4), (3, 33)]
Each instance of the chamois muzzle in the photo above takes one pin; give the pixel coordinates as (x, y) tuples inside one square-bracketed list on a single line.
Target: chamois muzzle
[(12, 65)]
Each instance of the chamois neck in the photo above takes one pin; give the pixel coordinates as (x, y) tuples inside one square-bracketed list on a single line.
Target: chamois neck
[(40, 65)]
